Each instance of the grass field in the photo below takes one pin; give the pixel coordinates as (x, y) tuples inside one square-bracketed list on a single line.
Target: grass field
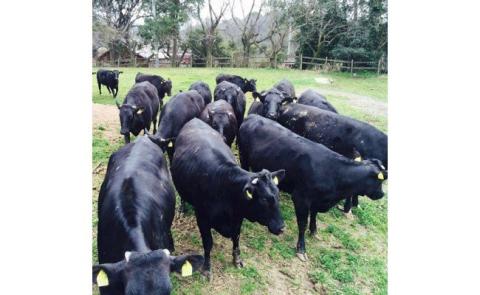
[(348, 256)]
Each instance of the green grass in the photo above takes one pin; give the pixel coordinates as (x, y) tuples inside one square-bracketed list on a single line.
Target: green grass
[(346, 257)]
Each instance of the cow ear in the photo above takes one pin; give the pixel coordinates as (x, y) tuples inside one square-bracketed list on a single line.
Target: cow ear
[(356, 155), (121, 72), (186, 264), (162, 142), (103, 274), (278, 176)]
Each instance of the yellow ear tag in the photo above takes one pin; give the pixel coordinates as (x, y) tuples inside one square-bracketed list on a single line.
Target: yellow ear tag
[(186, 269), (170, 144), (102, 278), (358, 159), (140, 111), (249, 195), (275, 180), (380, 176)]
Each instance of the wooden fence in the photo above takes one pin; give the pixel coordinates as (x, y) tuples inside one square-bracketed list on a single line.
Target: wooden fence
[(298, 62)]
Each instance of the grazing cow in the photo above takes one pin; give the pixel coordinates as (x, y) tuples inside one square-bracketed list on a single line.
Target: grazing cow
[(234, 96), (315, 99), (349, 137), (207, 176), (219, 115), (177, 111), (139, 110), (316, 177), (136, 207), (203, 89), (244, 84), (109, 79), (271, 101), (163, 86)]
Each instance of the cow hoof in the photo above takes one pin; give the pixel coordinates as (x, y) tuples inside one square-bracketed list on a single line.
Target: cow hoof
[(313, 233), (349, 215), (238, 264), (302, 256), (207, 274)]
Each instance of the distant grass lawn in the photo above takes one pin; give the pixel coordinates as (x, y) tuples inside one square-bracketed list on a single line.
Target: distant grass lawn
[(346, 257)]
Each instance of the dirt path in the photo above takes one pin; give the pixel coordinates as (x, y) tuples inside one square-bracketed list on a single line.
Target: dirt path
[(106, 117), (367, 104)]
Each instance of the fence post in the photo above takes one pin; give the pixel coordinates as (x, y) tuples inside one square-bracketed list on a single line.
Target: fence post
[(378, 67), (191, 60), (351, 67), (301, 61)]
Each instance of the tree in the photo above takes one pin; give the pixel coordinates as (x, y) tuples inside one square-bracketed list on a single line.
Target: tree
[(249, 28), (119, 15), (278, 29), (209, 25)]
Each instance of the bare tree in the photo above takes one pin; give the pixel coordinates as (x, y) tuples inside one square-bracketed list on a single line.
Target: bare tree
[(249, 28), (210, 24)]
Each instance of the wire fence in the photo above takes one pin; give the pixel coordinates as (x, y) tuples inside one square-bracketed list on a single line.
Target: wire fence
[(324, 64)]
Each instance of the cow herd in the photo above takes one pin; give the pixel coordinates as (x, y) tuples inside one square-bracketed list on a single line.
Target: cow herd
[(299, 146)]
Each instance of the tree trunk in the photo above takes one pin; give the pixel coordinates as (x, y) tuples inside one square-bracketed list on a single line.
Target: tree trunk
[(175, 52)]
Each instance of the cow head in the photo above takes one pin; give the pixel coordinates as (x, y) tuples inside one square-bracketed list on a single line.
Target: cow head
[(220, 121), (167, 86), (376, 175), (228, 93), (272, 100), (262, 195), (250, 85), (128, 115), (144, 273)]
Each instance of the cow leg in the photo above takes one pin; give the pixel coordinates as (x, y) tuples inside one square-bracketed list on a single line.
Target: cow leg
[(155, 124), (301, 210), (145, 130), (171, 244), (237, 261), (313, 222), (108, 88), (355, 201), (347, 205), (116, 91), (207, 241), (99, 88), (127, 138)]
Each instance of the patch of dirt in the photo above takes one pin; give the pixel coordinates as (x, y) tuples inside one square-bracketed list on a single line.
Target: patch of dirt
[(105, 118), (367, 104)]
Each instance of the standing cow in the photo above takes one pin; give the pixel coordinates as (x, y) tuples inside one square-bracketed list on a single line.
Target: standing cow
[(203, 89), (349, 137), (139, 110), (136, 207), (163, 86), (207, 176), (312, 98), (177, 111), (316, 177), (109, 79), (232, 94), (244, 84), (220, 116)]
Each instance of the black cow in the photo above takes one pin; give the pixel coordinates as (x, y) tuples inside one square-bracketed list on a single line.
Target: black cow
[(244, 84), (349, 137), (312, 98), (234, 96), (139, 110), (136, 207), (143, 273), (220, 116), (286, 87), (203, 89), (207, 176), (177, 111), (109, 79), (163, 86), (256, 108), (271, 101), (316, 177)]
